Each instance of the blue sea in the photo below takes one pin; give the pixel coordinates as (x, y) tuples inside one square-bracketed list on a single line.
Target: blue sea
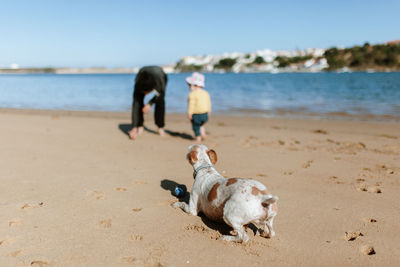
[(364, 95)]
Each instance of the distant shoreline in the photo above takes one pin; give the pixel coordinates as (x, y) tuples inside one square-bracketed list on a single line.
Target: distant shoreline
[(69, 71)]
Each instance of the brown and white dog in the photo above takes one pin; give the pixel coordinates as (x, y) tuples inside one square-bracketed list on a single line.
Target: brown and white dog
[(238, 202)]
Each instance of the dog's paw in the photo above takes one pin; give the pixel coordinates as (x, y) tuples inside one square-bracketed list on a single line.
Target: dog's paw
[(231, 238), (177, 205), (267, 234)]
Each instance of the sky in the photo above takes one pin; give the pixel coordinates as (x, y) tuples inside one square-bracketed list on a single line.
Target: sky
[(119, 33)]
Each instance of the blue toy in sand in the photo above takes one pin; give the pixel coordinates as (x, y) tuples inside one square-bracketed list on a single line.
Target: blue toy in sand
[(180, 191)]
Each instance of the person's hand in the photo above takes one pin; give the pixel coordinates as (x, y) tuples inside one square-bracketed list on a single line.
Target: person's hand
[(146, 108), (190, 117)]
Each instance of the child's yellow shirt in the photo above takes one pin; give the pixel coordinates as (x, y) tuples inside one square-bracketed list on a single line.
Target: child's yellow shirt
[(199, 102)]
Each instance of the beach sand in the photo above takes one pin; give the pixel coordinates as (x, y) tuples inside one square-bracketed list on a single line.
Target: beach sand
[(75, 191)]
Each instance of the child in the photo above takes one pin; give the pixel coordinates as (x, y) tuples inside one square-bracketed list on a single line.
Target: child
[(199, 105)]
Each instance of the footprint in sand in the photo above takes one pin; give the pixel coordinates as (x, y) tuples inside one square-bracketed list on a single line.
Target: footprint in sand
[(39, 263), (390, 171), (31, 206), (294, 142), (387, 136), (15, 222), (370, 220), (201, 229), (97, 194), (351, 236), (370, 189), (261, 175), (127, 259), (137, 209), (167, 203), (121, 189), (280, 142), (362, 188), (319, 131), (140, 182), (105, 223), (287, 172), (197, 228), (5, 241), (307, 164), (135, 237), (14, 253), (367, 250), (333, 141), (374, 189), (335, 179)]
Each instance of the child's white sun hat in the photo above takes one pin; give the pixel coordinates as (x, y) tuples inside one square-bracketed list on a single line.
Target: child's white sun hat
[(196, 79)]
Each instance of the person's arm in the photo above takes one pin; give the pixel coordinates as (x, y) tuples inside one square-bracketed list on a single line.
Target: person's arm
[(160, 82), (146, 108), (157, 95), (209, 104), (190, 106)]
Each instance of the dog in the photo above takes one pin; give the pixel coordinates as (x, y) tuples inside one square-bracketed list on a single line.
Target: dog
[(235, 201)]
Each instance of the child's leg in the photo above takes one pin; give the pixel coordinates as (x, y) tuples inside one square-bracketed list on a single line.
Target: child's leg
[(203, 132), (204, 119), (196, 124)]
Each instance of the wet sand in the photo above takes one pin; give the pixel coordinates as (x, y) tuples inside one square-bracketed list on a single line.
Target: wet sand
[(77, 192)]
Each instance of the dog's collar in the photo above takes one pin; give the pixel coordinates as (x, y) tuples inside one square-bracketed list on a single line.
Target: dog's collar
[(200, 168)]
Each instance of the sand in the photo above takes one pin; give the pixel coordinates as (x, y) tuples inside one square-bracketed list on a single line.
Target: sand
[(75, 191)]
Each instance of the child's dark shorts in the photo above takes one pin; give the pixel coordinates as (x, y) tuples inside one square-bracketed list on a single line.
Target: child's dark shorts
[(197, 121)]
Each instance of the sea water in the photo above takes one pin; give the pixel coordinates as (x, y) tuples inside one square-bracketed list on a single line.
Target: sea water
[(254, 94)]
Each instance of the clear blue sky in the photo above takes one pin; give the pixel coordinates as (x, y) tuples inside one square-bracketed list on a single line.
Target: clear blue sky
[(134, 33)]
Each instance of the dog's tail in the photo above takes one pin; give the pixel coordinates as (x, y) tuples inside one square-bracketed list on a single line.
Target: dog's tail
[(269, 199)]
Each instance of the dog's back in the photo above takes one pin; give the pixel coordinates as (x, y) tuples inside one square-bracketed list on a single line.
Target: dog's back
[(244, 198)]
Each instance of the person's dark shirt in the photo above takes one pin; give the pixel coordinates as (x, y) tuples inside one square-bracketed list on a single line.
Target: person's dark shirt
[(151, 78)]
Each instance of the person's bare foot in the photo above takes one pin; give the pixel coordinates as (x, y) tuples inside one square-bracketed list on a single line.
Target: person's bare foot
[(140, 130), (161, 131), (198, 139), (133, 133)]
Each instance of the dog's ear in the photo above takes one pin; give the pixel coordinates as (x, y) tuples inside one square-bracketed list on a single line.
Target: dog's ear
[(192, 156), (212, 155)]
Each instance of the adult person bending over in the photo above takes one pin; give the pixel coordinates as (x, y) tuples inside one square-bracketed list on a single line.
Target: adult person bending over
[(150, 79)]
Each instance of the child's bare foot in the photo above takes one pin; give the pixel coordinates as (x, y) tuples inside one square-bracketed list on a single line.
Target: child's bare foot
[(198, 139)]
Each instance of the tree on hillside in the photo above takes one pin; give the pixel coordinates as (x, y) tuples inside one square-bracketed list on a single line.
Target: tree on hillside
[(259, 60), (225, 63), (182, 67)]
